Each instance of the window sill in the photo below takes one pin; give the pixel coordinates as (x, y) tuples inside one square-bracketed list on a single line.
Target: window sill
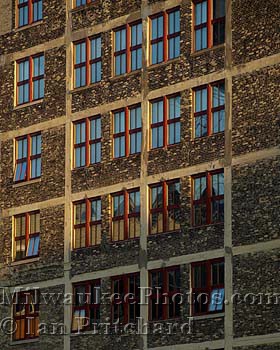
[(27, 26), (208, 49), (28, 104), (25, 183), (164, 63), (208, 316), (24, 341), (25, 261)]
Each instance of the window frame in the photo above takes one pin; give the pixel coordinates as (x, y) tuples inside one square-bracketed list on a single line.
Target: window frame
[(165, 206), (28, 318), (88, 60), (208, 288), (27, 235), (209, 197), (125, 280), (209, 25), (166, 122), (164, 293), (165, 35), (28, 159), (88, 306), (129, 48), (210, 109), (127, 130), (87, 224), (126, 215), (31, 79), (88, 142), (29, 4)]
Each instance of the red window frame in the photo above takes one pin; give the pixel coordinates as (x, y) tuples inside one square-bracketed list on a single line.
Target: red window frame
[(208, 199), (28, 235), (88, 63), (125, 217), (165, 294), (127, 130), (88, 142), (132, 299), (129, 48), (210, 109), (28, 321), (28, 4), (87, 224), (165, 209), (209, 286), (90, 305), (209, 24), (166, 36), (27, 159), (31, 79), (166, 121)]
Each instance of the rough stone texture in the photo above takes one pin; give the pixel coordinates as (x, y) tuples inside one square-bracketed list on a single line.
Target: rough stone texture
[(51, 184), (256, 273), (256, 110), (255, 202), (260, 347), (53, 104), (251, 41)]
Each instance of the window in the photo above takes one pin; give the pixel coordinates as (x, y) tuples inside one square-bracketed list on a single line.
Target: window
[(165, 299), (87, 144), (128, 48), (26, 315), (87, 61), (28, 158), (127, 131), (26, 235), (165, 36), (126, 298), (29, 11), (82, 2), (165, 121), (30, 79), (126, 215), (165, 207), (87, 223), (208, 287), (86, 308), (208, 198), (208, 30), (209, 109)]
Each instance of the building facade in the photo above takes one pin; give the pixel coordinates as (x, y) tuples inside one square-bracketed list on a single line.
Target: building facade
[(139, 152)]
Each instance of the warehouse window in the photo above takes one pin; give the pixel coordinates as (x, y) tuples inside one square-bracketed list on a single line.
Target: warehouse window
[(87, 61), (128, 48), (86, 306), (126, 215), (165, 207), (30, 79), (87, 223), (165, 36), (208, 287), (165, 121), (127, 131), (209, 23), (26, 235), (165, 298), (26, 315), (87, 142), (29, 11), (208, 198), (28, 158), (209, 109), (126, 298)]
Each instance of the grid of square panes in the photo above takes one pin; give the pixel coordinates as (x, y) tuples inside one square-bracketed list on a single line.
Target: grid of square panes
[(80, 144), (95, 60), (174, 34), (135, 129), (174, 124), (134, 214), (136, 46), (157, 124), (218, 107), (119, 134), (201, 25), (95, 140), (120, 51), (173, 206), (200, 112), (157, 39), (118, 224), (80, 64)]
